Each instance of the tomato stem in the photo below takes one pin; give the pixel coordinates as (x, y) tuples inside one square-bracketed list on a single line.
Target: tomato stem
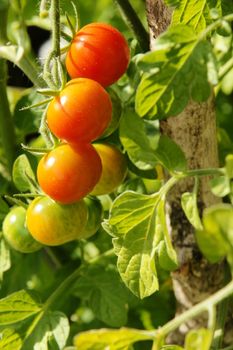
[(53, 60), (135, 24), (63, 290), (7, 132), (56, 263), (56, 30), (196, 310)]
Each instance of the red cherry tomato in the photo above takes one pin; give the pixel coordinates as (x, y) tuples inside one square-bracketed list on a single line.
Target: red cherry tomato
[(68, 173), (99, 52), (81, 112)]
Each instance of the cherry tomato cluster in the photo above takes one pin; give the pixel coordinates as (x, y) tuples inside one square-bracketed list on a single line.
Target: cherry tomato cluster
[(98, 56), (78, 115)]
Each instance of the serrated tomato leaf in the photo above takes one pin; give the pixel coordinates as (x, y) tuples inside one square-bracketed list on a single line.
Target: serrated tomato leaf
[(53, 328), (137, 223), (180, 68), (17, 307), (146, 147), (216, 239), (10, 340), (105, 293), (137, 141), (132, 224), (23, 175), (195, 13), (110, 338), (170, 155)]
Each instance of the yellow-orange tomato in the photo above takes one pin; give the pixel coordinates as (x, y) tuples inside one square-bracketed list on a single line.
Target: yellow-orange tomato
[(69, 172), (52, 224), (81, 112), (99, 52), (114, 169)]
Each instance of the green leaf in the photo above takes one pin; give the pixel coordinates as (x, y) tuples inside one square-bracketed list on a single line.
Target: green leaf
[(179, 69), (229, 166), (170, 155), (53, 327), (198, 339), (190, 208), (172, 3), (216, 239), (195, 13), (109, 339), (28, 121), (5, 259), (165, 261), (135, 139), (105, 293), (10, 340), (22, 173), (17, 307), (146, 148), (220, 186), (171, 347), (132, 223)]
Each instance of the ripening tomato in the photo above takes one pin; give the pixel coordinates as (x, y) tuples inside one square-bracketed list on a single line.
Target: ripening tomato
[(81, 112), (16, 233), (94, 218), (114, 168), (52, 224), (69, 172), (99, 52)]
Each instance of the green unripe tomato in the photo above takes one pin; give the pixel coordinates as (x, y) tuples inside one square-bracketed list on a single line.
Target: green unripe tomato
[(94, 218), (52, 224), (16, 232)]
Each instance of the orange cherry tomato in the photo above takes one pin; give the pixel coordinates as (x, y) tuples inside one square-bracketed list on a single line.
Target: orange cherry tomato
[(52, 223), (81, 112), (99, 52), (114, 168), (69, 172)]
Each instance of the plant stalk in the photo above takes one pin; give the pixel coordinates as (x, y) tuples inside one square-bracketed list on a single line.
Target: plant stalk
[(135, 24), (196, 310), (56, 30), (63, 289), (7, 132)]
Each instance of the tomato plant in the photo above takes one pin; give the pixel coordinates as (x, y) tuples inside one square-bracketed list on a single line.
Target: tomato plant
[(114, 168), (52, 224), (16, 233), (141, 220), (99, 52), (69, 172), (81, 112)]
